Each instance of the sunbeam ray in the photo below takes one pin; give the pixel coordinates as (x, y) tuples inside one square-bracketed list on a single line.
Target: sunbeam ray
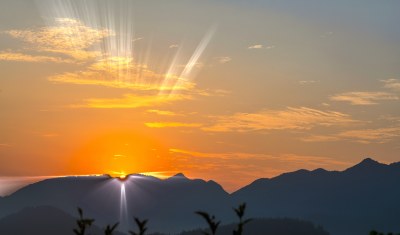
[(101, 34)]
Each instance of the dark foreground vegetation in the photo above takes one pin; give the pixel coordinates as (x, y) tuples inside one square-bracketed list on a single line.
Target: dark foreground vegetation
[(259, 226), (253, 226), (46, 220), (84, 223)]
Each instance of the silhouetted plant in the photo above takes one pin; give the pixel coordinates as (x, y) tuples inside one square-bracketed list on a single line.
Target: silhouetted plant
[(110, 229), (83, 223), (240, 213), (141, 225), (212, 223)]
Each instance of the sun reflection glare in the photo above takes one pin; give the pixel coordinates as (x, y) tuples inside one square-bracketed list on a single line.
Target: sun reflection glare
[(123, 207)]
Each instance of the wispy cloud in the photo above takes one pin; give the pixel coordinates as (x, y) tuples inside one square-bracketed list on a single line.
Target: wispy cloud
[(171, 124), (306, 82), (260, 46), (122, 72), (364, 98), (106, 59), (223, 59), (301, 118), (173, 46), (379, 135), (365, 136), (137, 39), (131, 101), (320, 138), (19, 57), (393, 84), (163, 112), (69, 37)]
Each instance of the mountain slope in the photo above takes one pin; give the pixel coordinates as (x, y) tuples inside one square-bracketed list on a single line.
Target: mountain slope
[(354, 201)]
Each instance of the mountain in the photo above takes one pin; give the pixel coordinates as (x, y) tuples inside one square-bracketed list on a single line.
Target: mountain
[(169, 203), (42, 220), (269, 227), (353, 201)]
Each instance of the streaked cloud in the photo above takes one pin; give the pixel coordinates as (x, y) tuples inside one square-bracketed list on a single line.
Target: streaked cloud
[(107, 59), (163, 112), (122, 72), (137, 39), (364, 136), (379, 135), (223, 59), (171, 124), (256, 46), (131, 101), (260, 46), (306, 82), (320, 138), (243, 155), (364, 98), (69, 37), (392, 83), (20, 57), (173, 46), (301, 118)]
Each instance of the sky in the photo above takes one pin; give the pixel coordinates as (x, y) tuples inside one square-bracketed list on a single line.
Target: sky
[(225, 90)]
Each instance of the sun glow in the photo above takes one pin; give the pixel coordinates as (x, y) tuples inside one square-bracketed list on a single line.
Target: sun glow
[(123, 206), (121, 176), (120, 154)]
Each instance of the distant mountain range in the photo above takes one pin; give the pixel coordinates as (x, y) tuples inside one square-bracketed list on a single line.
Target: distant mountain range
[(354, 201)]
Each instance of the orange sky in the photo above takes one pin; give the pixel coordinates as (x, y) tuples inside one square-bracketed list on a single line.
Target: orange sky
[(216, 90)]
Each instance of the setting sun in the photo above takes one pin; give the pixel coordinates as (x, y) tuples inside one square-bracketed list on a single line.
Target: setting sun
[(119, 154), (122, 176)]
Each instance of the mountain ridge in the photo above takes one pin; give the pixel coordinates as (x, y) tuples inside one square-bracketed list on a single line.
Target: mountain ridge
[(324, 197)]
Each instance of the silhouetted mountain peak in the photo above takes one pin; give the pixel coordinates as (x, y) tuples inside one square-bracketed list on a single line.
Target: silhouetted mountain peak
[(319, 170), (180, 175), (367, 164)]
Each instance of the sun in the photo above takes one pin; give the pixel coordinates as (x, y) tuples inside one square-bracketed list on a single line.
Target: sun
[(121, 153), (122, 177)]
